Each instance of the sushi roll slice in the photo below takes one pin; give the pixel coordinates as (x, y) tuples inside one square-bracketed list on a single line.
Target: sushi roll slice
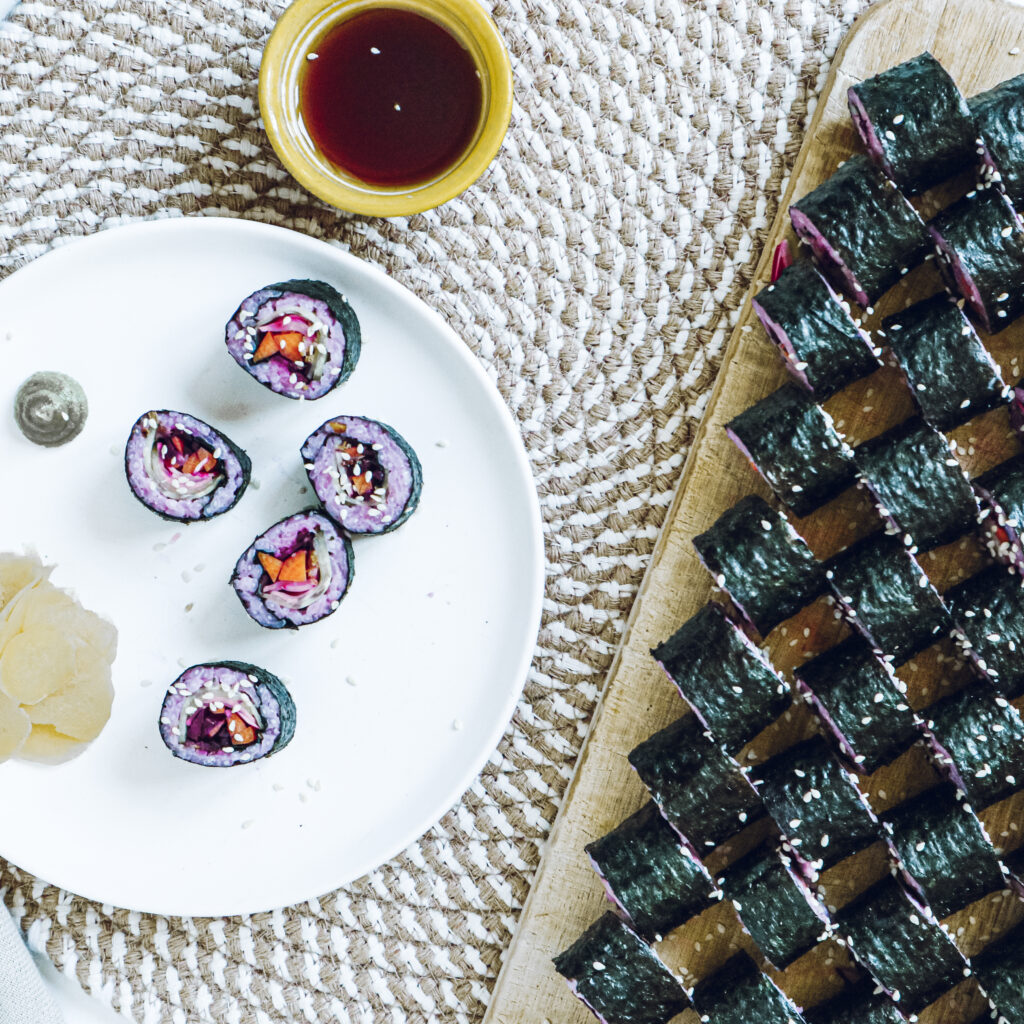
[(618, 977), (978, 740), (793, 443), (915, 123), (295, 573), (980, 240), (861, 229), (182, 469), (951, 376), (899, 942), (999, 968), (999, 118), (885, 595), (820, 812), (738, 993), (651, 875), (989, 609), (365, 473), (300, 338), (822, 346), (917, 485), (861, 1003), (761, 562), (226, 713), (1001, 491), (700, 790), (941, 846), (727, 680), (861, 703), (775, 905)]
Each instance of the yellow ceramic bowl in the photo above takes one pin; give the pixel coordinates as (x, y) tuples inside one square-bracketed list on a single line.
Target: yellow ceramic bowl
[(298, 32)]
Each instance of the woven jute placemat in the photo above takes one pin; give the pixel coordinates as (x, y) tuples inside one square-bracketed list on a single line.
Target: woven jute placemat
[(594, 270)]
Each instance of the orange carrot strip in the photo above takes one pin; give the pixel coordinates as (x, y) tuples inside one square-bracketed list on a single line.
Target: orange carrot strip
[(271, 565), (294, 568)]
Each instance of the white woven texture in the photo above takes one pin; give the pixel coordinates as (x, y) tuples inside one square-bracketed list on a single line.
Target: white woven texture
[(594, 270)]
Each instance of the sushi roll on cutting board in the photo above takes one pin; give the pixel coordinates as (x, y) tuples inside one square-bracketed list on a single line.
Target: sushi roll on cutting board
[(738, 993), (999, 117), (1001, 491), (1000, 971)]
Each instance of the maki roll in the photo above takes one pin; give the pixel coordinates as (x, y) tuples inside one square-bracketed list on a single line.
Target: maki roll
[(651, 875), (298, 338), (951, 376), (862, 1003), (700, 790), (901, 944), (822, 345), (941, 846), (917, 485), (793, 443), (738, 993), (182, 469), (861, 228), (989, 609), (885, 595), (226, 713), (775, 905), (978, 740), (1000, 971), (999, 118), (816, 805), (618, 977), (727, 680), (981, 241), (295, 573), (915, 123), (861, 703), (365, 473), (1001, 490), (761, 562)]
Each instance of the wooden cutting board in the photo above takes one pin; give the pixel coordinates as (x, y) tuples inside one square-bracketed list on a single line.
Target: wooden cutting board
[(977, 41)]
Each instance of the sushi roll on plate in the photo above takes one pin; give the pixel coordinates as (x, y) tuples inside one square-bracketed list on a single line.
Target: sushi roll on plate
[(295, 573), (226, 713), (365, 473), (182, 468)]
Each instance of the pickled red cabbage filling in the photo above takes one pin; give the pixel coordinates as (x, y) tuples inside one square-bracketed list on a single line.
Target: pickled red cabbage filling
[(294, 340), (299, 578), (362, 480), (181, 465), (219, 718)]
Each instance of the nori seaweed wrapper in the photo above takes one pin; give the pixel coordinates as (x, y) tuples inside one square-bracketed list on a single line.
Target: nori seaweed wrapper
[(861, 227), (901, 945), (989, 609), (815, 804), (999, 118), (940, 843), (618, 977), (981, 241), (999, 968), (915, 123), (774, 904), (949, 372), (793, 443), (814, 330), (862, 1003), (978, 738), (862, 704), (701, 791), (727, 680), (1001, 490), (918, 485), (738, 993), (761, 562), (887, 597), (651, 875)]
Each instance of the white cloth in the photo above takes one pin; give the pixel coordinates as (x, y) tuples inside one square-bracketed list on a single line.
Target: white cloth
[(23, 996)]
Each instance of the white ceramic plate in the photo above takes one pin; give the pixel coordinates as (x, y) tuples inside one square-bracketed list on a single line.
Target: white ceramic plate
[(436, 632)]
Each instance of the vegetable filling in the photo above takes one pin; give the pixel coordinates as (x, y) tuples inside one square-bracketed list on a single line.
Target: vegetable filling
[(179, 464), (219, 719), (362, 480), (295, 340), (300, 577)]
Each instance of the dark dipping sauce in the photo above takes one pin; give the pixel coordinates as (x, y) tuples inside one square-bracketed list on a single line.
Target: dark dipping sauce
[(391, 97)]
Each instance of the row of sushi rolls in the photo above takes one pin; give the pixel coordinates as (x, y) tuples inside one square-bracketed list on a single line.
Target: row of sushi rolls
[(300, 339), (863, 235)]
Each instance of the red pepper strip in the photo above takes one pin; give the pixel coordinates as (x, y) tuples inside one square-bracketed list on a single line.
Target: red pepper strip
[(781, 259)]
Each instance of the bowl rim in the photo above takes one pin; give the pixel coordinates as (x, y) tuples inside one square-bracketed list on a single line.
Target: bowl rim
[(276, 64)]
